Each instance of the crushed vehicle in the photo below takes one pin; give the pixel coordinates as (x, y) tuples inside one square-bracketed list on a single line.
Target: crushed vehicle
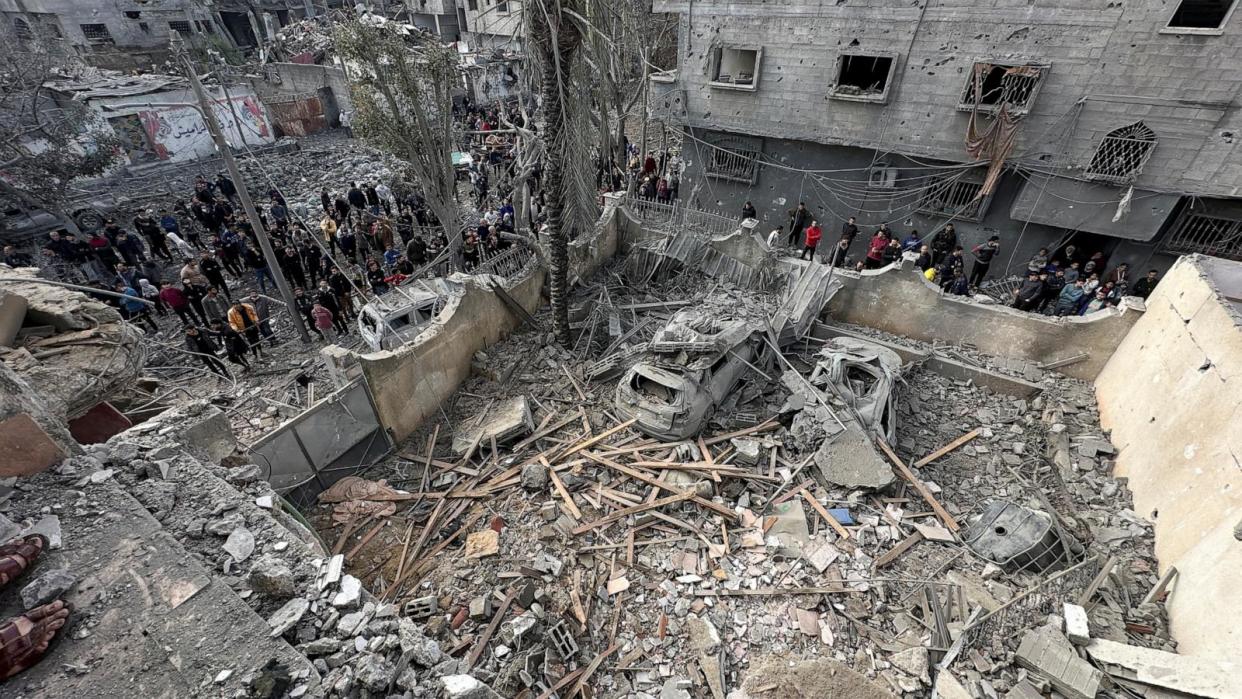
[(396, 317), (864, 375), (693, 364)]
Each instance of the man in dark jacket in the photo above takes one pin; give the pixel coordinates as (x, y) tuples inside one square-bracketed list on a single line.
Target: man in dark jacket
[(201, 345), (799, 219), (226, 187), (983, 259), (1027, 295), (330, 300), (943, 242), (211, 268), (305, 304), (1146, 285)]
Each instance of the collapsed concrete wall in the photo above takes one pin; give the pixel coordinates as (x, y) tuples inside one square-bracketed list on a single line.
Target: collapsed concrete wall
[(409, 383), (900, 301), (1167, 397)]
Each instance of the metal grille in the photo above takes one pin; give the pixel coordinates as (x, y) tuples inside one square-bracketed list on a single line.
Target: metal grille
[(1208, 235), (182, 27), (678, 217), (97, 33), (949, 195), (22, 28), (1002, 629), (1002, 84), (733, 163), (1122, 154)]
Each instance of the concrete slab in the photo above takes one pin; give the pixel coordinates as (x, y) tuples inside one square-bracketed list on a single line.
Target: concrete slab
[(149, 620), (1051, 655)]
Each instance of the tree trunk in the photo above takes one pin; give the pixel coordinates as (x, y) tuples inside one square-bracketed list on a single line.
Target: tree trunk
[(554, 187)]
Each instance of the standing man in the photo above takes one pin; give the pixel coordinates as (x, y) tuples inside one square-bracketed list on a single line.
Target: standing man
[(983, 259), (198, 343), (263, 308), (943, 242), (798, 220), (849, 231), (245, 321), (813, 235)]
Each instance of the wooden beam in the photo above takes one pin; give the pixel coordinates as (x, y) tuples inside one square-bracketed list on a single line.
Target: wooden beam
[(622, 514), (559, 485), (602, 435), (663, 485), (901, 547), (590, 670), (761, 427), (947, 448), (481, 646), (926, 494), (825, 514)]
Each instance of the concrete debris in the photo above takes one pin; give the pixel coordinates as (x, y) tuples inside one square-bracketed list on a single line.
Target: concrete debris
[(1050, 654), (288, 616), (1076, 627), (534, 477), (240, 544), (1213, 678), (466, 687), (48, 526), (349, 594), (48, 586), (506, 422), (272, 577), (482, 544)]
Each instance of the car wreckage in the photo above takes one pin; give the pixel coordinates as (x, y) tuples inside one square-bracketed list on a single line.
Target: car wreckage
[(693, 363)]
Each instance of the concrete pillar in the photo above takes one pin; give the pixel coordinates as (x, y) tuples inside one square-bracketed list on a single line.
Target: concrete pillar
[(12, 315)]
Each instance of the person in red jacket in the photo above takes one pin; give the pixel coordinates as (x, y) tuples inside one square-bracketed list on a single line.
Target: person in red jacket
[(875, 250), (813, 234)]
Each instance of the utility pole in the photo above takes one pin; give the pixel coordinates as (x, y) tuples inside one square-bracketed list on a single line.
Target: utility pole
[(243, 193)]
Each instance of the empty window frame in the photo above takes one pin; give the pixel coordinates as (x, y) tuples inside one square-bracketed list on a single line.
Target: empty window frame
[(736, 67), (97, 33), (206, 27), (1122, 153), (1200, 16), (1207, 235), (991, 85), (472, 5), (863, 77), (502, 7), (732, 158), (955, 195)]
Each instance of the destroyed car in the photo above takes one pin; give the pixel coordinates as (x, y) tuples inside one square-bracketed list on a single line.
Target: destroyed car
[(393, 319), (864, 375), (693, 364)]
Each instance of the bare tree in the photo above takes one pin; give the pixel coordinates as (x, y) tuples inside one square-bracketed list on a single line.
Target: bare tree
[(45, 142), (402, 90)]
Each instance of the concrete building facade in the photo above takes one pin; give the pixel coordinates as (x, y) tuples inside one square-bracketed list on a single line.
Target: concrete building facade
[(487, 25), (134, 34), (1110, 126)]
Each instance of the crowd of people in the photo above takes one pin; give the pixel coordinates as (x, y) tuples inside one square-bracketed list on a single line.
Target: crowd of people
[(1067, 283)]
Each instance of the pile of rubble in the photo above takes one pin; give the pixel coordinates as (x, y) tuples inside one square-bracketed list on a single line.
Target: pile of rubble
[(555, 546)]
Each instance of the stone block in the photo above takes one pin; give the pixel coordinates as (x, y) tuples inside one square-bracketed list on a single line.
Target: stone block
[(26, 447)]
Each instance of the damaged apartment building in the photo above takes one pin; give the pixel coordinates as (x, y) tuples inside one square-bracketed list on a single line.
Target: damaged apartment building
[(1111, 126), (746, 477), (134, 34)]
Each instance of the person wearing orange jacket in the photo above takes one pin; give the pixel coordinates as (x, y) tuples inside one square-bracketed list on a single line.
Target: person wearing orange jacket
[(245, 321)]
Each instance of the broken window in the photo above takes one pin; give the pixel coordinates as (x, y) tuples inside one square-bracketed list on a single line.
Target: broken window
[(502, 7), (991, 85), (863, 77), (1207, 235), (97, 33), (206, 27), (1201, 14), (180, 26), (732, 158), (1122, 154), (955, 195), (22, 28), (132, 14), (736, 67), (472, 5)]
